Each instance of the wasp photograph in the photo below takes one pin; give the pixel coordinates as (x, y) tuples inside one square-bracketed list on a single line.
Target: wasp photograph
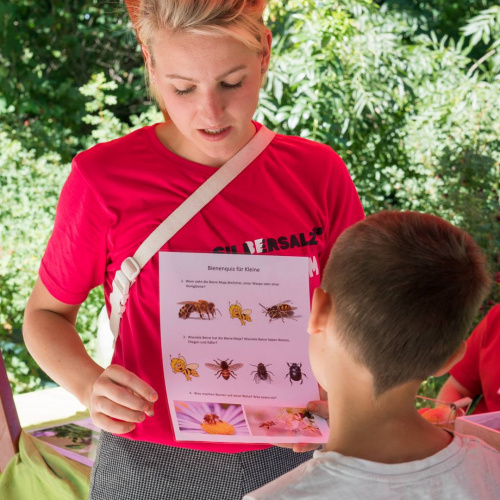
[(281, 421)]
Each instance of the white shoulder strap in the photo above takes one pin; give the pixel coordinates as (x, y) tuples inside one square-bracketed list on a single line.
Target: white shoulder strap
[(131, 266)]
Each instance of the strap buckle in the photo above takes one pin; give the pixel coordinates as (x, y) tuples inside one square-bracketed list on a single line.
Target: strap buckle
[(122, 282), (130, 269)]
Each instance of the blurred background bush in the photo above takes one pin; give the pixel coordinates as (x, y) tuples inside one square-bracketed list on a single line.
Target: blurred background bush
[(407, 92)]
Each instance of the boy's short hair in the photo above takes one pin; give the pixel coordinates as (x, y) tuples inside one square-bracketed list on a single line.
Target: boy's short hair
[(405, 288)]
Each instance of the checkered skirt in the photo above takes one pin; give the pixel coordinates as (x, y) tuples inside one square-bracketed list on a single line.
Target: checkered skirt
[(125, 469)]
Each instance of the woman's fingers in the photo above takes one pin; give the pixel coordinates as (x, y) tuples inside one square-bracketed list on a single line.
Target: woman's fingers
[(120, 394), (120, 399), (129, 380), (303, 447), (319, 408), (299, 447), (116, 410), (108, 424)]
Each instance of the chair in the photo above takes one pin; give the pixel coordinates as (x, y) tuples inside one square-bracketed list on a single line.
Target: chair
[(30, 468)]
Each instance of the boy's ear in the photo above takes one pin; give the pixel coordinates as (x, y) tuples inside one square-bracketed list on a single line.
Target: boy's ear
[(321, 309), (452, 360)]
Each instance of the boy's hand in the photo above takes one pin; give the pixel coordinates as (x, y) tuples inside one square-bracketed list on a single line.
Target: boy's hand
[(319, 408), (119, 399)]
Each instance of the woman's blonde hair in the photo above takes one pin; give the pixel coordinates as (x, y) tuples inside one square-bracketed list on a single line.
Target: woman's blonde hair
[(241, 19)]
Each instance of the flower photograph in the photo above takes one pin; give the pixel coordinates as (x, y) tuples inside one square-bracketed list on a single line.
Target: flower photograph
[(211, 418)]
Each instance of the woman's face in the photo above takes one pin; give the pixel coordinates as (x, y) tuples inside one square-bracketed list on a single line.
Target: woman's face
[(210, 86)]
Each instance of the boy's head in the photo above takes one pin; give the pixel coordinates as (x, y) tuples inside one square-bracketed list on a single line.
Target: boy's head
[(404, 289)]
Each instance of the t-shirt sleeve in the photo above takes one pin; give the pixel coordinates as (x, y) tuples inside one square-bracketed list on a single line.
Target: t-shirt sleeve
[(466, 371), (74, 261), (344, 206)]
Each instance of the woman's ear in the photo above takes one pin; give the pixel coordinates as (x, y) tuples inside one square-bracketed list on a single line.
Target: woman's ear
[(452, 360), (148, 61), (266, 51), (321, 309)]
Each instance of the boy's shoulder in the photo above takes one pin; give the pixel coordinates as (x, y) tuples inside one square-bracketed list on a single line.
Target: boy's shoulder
[(475, 449), (305, 481), (468, 467), (478, 471)]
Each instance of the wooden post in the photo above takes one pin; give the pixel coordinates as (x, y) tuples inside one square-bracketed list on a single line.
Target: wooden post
[(10, 428)]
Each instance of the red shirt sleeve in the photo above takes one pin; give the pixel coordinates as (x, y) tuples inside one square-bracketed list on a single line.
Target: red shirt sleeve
[(75, 258), (466, 371), (344, 204)]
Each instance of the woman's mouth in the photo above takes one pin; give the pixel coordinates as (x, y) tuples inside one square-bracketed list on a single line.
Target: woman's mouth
[(215, 134), (213, 131)]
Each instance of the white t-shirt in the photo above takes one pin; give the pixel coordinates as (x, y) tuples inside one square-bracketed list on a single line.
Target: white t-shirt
[(466, 469)]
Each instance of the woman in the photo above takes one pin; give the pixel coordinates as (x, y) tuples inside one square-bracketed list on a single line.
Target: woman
[(206, 60), (477, 373)]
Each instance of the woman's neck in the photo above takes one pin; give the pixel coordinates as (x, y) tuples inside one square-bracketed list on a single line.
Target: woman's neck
[(170, 136)]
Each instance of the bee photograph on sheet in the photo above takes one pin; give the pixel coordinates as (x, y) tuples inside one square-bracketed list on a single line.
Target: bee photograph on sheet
[(234, 334)]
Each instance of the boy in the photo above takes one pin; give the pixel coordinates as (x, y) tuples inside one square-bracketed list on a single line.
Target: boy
[(398, 296)]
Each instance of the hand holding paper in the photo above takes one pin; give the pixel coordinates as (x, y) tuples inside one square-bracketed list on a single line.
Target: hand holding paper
[(120, 399)]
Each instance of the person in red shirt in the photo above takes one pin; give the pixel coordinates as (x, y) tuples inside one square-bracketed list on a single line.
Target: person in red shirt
[(478, 372), (206, 62)]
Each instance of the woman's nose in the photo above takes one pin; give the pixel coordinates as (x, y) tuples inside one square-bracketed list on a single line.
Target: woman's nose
[(212, 109)]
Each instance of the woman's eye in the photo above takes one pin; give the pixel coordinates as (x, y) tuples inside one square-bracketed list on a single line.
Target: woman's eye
[(183, 92), (231, 86)]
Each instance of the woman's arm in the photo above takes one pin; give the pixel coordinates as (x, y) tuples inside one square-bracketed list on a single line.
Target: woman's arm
[(453, 391), (115, 396)]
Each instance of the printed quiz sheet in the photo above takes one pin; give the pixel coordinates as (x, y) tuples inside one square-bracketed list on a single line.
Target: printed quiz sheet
[(235, 348)]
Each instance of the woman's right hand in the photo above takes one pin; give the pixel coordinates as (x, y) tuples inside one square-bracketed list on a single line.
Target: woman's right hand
[(119, 400)]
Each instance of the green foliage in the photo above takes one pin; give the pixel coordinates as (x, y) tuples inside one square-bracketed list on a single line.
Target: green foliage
[(485, 28), (443, 17), (407, 92), (47, 51), (416, 120), (106, 126), (22, 229), (30, 189), (431, 387)]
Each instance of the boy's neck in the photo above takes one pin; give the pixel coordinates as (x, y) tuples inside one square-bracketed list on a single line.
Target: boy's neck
[(386, 430)]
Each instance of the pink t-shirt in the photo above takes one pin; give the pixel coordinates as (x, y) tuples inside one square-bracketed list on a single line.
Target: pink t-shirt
[(294, 199), (478, 371)]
